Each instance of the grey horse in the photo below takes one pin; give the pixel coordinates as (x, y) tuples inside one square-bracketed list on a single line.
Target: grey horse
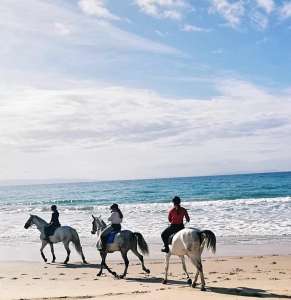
[(63, 234), (124, 241)]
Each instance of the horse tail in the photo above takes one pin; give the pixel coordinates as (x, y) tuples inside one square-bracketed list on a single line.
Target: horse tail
[(209, 238), (77, 244), (142, 244)]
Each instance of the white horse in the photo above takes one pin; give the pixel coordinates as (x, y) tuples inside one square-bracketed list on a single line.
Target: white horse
[(63, 234), (191, 242), (124, 241)]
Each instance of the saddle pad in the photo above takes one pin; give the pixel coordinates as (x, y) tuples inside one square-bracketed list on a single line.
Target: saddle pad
[(111, 236)]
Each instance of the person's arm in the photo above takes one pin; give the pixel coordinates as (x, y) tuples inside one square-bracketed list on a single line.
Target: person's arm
[(111, 217), (170, 216), (187, 216)]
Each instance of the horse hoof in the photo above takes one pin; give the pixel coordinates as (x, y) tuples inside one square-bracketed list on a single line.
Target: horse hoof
[(98, 274), (193, 285), (65, 262), (203, 289), (53, 261), (121, 276), (85, 262), (189, 281), (164, 281), (147, 271)]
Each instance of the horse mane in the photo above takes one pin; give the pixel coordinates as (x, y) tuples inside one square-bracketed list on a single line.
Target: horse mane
[(40, 219), (101, 221)]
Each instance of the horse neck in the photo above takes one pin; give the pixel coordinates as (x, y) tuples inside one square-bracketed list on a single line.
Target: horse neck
[(39, 223), (100, 229)]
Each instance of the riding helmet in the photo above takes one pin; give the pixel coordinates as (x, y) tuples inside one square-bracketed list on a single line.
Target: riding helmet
[(176, 200), (114, 206), (53, 207)]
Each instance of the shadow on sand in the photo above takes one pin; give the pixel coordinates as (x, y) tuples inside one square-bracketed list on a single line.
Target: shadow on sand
[(247, 292), (78, 266), (153, 279)]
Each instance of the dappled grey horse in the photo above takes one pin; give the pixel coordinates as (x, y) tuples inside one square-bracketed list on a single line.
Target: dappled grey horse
[(65, 234), (124, 241), (191, 242)]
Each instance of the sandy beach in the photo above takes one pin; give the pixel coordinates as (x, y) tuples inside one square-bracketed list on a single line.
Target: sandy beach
[(239, 277)]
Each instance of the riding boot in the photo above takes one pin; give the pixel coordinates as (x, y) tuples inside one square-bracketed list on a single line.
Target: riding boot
[(165, 249)]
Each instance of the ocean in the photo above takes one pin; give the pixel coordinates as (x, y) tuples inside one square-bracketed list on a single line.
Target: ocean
[(240, 209)]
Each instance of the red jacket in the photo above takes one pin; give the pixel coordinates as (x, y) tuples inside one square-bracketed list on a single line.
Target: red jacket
[(176, 216)]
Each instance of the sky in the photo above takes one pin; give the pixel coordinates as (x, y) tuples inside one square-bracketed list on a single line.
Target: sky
[(129, 89)]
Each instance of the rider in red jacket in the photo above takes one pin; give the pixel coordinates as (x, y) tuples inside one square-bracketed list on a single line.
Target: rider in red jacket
[(176, 217)]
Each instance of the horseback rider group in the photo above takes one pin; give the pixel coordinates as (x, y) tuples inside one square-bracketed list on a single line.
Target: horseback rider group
[(176, 217)]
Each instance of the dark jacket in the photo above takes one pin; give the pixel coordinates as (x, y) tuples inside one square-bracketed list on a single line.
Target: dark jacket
[(55, 219)]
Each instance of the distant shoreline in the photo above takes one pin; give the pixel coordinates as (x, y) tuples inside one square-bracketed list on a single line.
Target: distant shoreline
[(23, 182)]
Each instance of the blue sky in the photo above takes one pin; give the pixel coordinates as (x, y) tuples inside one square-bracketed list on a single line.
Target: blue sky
[(144, 88)]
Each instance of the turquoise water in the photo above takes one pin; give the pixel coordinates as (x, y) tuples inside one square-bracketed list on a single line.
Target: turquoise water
[(250, 186), (239, 208)]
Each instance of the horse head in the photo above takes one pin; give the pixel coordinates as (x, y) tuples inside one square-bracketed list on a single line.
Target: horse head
[(29, 222), (97, 225), (94, 225)]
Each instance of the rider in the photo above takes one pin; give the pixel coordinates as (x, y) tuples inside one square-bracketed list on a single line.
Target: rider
[(176, 216), (54, 223), (115, 219)]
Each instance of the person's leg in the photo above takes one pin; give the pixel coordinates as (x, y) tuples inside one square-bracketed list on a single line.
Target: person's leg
[(165, 237), (103, 237)]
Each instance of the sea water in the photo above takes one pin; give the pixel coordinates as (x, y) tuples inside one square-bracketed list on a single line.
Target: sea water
[(239, 209)]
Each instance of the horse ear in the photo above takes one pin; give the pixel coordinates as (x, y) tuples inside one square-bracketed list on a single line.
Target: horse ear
[(93, 217)]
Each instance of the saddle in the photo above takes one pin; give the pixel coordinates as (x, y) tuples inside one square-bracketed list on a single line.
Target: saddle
[(111, 236)]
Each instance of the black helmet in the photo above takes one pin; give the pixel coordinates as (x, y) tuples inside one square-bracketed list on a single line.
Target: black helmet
[(114, 206), (53, 207), (176, 200)]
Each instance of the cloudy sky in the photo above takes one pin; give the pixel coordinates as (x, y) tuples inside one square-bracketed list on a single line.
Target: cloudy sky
[(118, 89)]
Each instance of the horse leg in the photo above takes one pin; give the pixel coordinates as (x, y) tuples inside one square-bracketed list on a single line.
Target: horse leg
[(104, 265), (66, 245), (103, 256), (44, 243), (189, 281), (195, 279), (53, 252), (197, 262), (167, 267), (126, 262), (140, 257)]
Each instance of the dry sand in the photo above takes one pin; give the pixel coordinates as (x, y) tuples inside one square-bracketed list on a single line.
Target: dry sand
[(226, 278)]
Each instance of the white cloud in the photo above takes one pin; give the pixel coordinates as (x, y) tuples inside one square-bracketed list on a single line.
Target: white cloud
[(260, 20), (192, 28), (240, 123), (44, 21), (267, 5), (232, 12), (89, 116), (97, 8), (62, 29), (285, 10), (217, 51), (167, 9)]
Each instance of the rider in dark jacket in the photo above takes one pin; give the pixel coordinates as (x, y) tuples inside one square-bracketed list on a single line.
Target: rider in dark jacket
[(54, 223)]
